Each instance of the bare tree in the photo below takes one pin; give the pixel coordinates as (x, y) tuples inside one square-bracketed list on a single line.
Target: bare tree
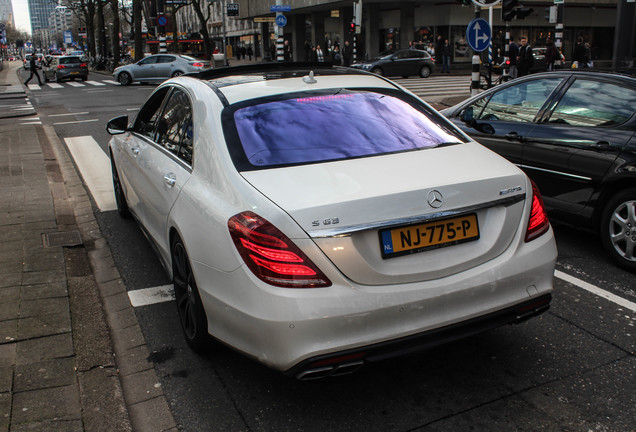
[(203, 10)]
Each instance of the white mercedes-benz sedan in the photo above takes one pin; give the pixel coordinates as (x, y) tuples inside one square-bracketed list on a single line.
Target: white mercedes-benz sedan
[(316, 218)]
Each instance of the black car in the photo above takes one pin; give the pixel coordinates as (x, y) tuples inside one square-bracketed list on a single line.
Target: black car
[(402, 63), (574, 134)]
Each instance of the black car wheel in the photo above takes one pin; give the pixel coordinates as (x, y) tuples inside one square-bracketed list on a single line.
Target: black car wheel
[(618, 228), (177, 73), (191, 313), (58, 79), (120, 198), (377, 71), (425, 72), (124, 78)]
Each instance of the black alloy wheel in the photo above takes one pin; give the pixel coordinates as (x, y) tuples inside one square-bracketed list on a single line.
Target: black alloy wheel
[(425, 72), (191, 313), (618, 229), (120, 198), (124, 78), (177, 73)]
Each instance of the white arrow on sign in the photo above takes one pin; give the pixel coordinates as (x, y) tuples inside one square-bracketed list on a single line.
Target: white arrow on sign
[(484, 36)]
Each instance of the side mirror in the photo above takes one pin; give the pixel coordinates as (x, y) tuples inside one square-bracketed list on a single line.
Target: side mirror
[(117, 125), (467, 115)]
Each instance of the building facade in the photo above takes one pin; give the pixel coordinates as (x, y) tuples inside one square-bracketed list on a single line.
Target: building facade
[(6, 13), (40, 11)]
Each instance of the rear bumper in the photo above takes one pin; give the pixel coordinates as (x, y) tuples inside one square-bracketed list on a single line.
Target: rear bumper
[(343, 362)]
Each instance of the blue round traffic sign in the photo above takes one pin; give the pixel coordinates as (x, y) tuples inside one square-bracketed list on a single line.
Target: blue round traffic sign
[(281, 20), (478, 34), (162, 20)]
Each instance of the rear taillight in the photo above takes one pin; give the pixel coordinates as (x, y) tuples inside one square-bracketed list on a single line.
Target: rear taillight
[(538, 223), (271, 255), (508, 62), (197, 64), (83, 65), (61, 67)]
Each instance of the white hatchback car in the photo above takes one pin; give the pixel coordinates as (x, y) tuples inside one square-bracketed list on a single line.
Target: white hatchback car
[(318, 219)]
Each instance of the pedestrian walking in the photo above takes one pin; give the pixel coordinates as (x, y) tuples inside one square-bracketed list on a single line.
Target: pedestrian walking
[(551, 54), (439, 46), (578, 59), (525, 59), (337, 58), (446, 56), (250, 52), (513, 52), (33, 68), (347, 54), (287, 51)]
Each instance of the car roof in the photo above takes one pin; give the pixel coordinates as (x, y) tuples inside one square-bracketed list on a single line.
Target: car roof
[(238, 83)]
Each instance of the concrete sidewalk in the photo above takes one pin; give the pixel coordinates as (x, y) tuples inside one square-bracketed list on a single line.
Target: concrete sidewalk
[(72, 356)]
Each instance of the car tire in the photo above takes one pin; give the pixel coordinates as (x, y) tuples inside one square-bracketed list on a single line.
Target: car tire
[(58, 79), (377, 71), (177, 73), (425, 72), (618, 228), (124, 78), (191, 313), (120, 197)]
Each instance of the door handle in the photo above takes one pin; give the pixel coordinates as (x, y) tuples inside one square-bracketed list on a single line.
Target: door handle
[(602, 145), (135, 151), (170, 179), (514, 136)]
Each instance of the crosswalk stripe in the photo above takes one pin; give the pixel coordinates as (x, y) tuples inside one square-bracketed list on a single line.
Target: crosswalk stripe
[(34, 87), (55, 85), (95, 83), (94, 165), (111, 82), (74, 84)]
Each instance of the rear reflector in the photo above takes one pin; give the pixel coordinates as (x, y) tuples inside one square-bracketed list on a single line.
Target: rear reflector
[(271, 255), (538, 223)]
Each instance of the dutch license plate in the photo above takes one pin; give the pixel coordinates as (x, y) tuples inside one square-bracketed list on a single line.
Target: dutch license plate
[(429, 235), (74, 73)]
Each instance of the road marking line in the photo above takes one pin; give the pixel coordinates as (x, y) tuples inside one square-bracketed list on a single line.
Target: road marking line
[(68, 114), (74, 84), (55, 85), (95, 83), (148, 296), (595, 290), (111, 82), (75, 121), (94, 166), (34, 87)]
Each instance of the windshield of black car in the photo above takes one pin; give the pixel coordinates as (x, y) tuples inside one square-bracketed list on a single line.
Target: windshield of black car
[(337, 126)]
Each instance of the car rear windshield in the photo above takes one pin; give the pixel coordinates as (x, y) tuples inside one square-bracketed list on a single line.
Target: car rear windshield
[(336, 126), (70, 60)]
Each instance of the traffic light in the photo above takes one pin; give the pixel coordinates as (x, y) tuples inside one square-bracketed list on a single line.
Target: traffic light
[(352, 27), (523, 12), (508, 9)]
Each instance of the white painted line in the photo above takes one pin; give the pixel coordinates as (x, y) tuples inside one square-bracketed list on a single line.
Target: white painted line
[(68, 114), (75, 122), (111, 82), (132, 109), (74, 84), (23, 109), (95, 83), (32, 123), (55, 85), (148, 296), (94, 166), (34, 87), (595, 290)]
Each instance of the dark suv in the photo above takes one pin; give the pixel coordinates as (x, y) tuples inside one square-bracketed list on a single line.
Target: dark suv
[(402, 63), (66, 67)]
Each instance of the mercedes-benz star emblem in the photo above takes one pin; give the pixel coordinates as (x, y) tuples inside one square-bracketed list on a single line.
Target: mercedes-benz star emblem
[(435, 199)]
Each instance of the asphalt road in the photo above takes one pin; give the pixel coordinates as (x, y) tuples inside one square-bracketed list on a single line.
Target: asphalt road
[(571, 369)]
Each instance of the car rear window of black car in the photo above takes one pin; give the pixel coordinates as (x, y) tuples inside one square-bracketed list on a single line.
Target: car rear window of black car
[(314, 128), (69, 60)]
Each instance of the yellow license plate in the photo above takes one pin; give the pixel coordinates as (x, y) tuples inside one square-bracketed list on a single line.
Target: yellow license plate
[(429, 235)]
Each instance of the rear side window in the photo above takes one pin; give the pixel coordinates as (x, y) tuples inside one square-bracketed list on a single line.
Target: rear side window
[(320, 128), (592, 103), (70, 60)]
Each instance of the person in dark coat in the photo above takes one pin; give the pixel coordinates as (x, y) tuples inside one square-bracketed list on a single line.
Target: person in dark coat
[(33, 68), (439, 47), (579, 52), (513, 52), (525, 59), (347, 54), (446, 56), (551, 54)]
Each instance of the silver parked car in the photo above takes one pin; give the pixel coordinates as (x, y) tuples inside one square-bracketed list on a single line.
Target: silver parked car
[(157, 68)]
